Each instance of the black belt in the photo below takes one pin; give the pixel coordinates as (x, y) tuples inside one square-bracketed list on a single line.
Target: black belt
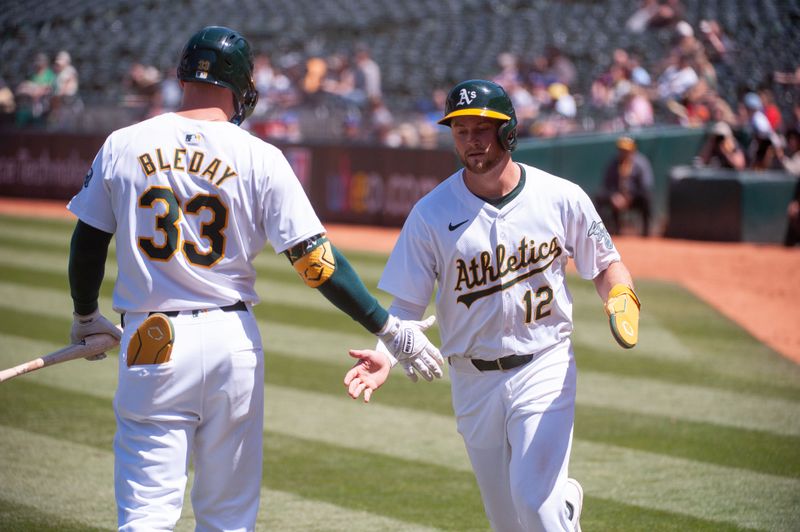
[(239, 305), (509, 362)]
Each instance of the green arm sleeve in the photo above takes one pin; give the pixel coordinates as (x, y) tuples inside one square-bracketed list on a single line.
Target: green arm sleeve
[(347, 292), (87, 262)]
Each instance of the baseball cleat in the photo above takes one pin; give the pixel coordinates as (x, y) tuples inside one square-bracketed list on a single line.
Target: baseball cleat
[(573, 495)]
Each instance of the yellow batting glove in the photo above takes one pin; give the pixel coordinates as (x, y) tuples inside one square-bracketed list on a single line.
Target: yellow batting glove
[(622, 308)]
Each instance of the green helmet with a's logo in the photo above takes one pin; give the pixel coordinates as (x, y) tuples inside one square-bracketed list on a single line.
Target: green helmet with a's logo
[(479, 97), (221, 56)]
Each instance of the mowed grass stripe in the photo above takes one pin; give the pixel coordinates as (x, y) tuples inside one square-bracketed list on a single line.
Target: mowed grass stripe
[(690, 403), (38, 230), (292, 378), (84, 420), (78, 495), (596, 389), (705, 491), (23, 516), (39, 223), (61, 477), (602, 514), (692, 373), (74, 416)]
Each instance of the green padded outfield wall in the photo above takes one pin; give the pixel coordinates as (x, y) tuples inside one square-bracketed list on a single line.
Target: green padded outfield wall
[(583, 159), (728, 206)]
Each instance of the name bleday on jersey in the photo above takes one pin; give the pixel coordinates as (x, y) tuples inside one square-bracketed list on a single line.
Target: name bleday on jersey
[(186, 161)]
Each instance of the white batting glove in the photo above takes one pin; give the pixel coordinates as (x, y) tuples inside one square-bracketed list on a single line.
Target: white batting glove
[(407, 343), (89, 324)]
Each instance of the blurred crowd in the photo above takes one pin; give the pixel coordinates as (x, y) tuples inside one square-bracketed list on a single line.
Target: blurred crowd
[(48, 97), (338, 95)]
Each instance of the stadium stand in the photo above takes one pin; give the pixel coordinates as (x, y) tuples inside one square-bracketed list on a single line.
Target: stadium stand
[(419, 45)]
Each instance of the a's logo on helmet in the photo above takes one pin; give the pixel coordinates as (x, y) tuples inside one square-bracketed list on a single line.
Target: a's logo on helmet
[(466, 97)]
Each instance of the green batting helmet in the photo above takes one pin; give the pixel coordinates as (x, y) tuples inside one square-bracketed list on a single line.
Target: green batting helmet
[(221, 56), (478, 97)]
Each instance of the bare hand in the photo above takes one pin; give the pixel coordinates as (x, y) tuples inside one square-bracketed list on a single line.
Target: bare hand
[(368, 374)]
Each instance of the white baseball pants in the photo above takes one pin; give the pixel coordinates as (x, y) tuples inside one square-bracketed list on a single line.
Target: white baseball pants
[(517, 428), (205, 405)]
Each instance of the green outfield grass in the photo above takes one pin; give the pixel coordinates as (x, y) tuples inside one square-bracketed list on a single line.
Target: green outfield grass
[(698, 428)]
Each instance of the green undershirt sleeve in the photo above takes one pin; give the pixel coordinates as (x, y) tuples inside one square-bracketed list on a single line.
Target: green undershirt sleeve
[(347, 292), (87, 261)]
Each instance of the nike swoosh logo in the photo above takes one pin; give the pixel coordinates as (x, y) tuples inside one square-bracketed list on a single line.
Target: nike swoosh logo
[(454, 227)]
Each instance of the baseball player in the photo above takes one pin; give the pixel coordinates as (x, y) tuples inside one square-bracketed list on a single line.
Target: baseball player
[(495, 238), (192, 199)]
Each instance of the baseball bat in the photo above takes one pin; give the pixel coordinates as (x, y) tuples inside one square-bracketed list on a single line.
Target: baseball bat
[(91, 345)]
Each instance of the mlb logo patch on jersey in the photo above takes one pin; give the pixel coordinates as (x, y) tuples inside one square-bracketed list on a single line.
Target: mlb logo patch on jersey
[(194, 138)]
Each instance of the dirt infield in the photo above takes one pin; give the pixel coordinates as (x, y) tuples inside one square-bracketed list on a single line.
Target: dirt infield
[(758, 286)]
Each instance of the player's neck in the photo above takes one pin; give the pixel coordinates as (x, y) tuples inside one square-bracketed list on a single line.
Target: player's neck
[(495, 183), (206, 102), (213, 114)]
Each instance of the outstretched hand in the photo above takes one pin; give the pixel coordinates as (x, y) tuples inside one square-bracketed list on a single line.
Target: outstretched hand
[(368, 374), (406, 341)]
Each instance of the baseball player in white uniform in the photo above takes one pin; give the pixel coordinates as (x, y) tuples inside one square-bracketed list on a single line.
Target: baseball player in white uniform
[(192, 199), (495, 238)]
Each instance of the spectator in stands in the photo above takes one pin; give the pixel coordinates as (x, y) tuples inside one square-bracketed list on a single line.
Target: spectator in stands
[(637, 110), (563, 102), (509, 70), (668, 13), (685, 41), (790, 155), (639, 74), (692, 110), (722, 150), (771, 109), (761, 151), (311, 86), (640, 19), (341, 80), (526, 105), (7, 103), (718, 46), (275, 89), (141, 86), (790, 160), (792, 237), (170, 92), (560, 66), (677, 78), (379, 121), (721, 110), (368, 74), (627, 187), (66, 105), (34, 94)]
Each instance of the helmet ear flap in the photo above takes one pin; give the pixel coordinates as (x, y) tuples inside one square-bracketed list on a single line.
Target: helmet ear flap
[(507, 135)]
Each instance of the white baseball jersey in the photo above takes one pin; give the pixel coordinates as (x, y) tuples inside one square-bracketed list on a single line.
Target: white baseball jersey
[(500, 272), (191, 203)]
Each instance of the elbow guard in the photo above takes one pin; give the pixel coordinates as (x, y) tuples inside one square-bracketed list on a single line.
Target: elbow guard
[(313, 260)]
